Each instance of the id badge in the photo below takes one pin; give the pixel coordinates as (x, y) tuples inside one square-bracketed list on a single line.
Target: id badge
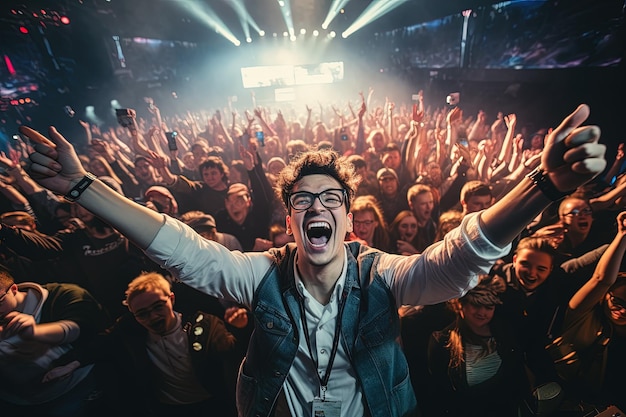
[(326, 408)]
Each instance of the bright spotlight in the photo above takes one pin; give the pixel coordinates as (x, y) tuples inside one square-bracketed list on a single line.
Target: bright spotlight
[(248, 40), (336, 7), (285, 11), (302, 31), (332, 34), (316, 32), (292, 38), (262, 33), (212, 20), (375, 10), (90, 110), (285, 34), (116, 104)]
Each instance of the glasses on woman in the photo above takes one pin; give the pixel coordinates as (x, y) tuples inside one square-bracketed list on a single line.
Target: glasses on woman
[(576, 213), (331, 199)]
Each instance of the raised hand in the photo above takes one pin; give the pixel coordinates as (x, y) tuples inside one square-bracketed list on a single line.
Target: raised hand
[(454, 116), (621, 223), (510, 120), (247, 157), (53, 162), (417, 115), (250, 118), (363, 108), (8, 163), (572, 155)]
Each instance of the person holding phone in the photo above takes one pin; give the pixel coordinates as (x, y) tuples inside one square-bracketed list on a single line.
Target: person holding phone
[(260, 137), (316, 349)]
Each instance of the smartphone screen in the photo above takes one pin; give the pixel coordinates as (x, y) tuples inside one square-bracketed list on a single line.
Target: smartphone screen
[(125, 117), (171, 140), (260, 136)]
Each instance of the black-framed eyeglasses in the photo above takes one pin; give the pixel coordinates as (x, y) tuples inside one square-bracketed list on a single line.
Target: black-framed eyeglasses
[(158, 307), (617, 303), (4, 295), (331, 199), (576, 212)]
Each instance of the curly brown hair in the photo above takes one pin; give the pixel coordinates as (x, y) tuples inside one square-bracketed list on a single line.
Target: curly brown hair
[(324, 162)]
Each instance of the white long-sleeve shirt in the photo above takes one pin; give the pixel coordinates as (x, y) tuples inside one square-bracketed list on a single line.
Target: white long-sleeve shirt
[(445, 270)]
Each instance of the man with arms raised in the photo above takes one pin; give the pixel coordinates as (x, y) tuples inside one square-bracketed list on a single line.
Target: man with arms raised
[(325, 311)]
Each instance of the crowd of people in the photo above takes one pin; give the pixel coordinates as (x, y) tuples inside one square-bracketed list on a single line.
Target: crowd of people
[(437, 263)]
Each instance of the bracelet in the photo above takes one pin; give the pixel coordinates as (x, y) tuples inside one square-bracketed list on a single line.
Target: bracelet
[(80, 187), (540, 178)]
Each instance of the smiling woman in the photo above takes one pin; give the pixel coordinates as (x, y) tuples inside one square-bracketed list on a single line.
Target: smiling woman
[(475, 365)]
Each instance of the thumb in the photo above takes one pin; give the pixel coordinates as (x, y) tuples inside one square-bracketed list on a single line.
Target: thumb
[(575, 119), (556, 144)]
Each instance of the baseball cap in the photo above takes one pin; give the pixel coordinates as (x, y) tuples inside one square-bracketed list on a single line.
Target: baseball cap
[(201, 222), (238, 188), (158, 189), (386, 172)]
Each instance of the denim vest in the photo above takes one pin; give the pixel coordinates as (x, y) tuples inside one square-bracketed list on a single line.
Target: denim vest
[(370, 330)]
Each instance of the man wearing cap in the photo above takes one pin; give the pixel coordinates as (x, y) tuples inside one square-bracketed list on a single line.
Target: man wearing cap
[(205, 226), (391, 198), (161, 199)]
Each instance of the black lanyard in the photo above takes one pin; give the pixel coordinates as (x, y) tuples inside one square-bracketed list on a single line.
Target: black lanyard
[(333, 352)]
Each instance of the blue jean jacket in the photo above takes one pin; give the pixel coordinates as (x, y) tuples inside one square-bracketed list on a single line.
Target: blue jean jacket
[(370, 329)]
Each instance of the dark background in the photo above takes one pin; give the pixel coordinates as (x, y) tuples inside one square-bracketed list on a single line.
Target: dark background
[(538, 59)]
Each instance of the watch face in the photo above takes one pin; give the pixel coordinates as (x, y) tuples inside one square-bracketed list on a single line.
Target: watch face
[(80, 187)]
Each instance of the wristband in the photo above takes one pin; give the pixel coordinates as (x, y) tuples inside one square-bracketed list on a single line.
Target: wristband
[(80, 187), (540, 178)]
